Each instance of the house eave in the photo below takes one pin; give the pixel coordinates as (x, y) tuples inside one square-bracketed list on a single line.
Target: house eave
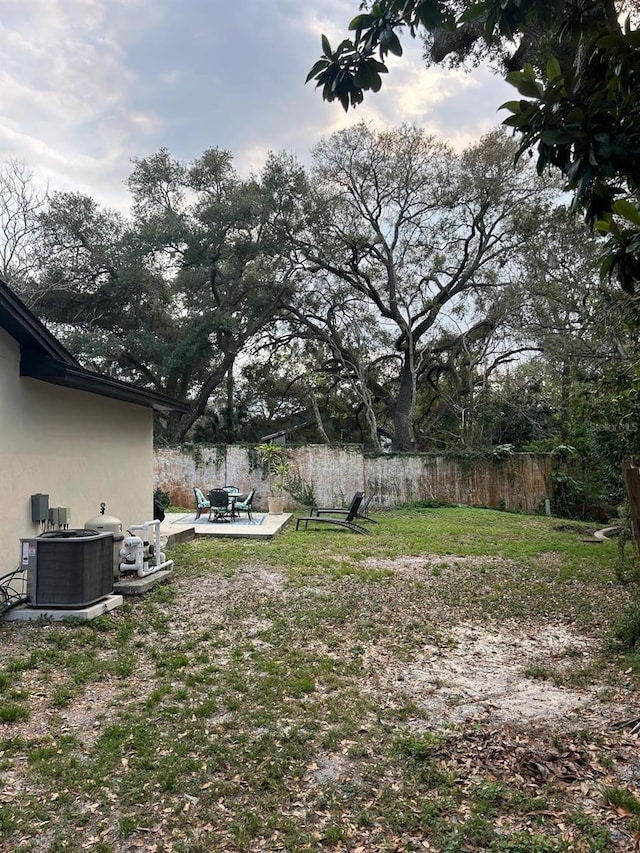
[(36, 366)]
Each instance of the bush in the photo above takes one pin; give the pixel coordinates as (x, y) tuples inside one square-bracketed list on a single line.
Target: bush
[(625, 633)]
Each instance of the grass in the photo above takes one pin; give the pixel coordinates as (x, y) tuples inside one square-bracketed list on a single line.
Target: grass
[(262, 702)]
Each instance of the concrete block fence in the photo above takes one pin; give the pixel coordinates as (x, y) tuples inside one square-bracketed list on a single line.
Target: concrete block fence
[(520, 482)]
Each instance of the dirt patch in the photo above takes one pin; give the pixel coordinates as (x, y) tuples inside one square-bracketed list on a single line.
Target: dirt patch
[(502, 673), (497, 674)]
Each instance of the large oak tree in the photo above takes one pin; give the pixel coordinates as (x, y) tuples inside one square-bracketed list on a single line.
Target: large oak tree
[(410, 248), (576, 66)]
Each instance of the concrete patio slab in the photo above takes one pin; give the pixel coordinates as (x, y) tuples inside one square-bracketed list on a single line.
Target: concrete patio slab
[(178, 527)]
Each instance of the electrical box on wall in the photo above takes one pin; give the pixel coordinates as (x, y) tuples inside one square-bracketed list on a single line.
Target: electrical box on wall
[(59, 515), (39, 507)]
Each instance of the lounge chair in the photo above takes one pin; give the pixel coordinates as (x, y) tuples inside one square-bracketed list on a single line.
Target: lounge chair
[(245, 505), (221, 506), (202, 503), (348, 521), (362, 513)]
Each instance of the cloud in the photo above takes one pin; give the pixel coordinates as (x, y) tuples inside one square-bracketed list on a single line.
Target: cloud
[(65, 85), (90, 84)]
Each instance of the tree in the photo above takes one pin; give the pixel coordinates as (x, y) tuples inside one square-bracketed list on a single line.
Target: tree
[(173, 297), (410, 248), (114, 310), (587, 334), (579, 104), (21, 200), (227, 238)]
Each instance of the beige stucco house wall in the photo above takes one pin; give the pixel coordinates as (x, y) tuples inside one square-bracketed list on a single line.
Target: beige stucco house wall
[(81, 447)]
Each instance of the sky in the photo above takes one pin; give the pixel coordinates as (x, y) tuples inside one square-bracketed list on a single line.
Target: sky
[(86, 86)]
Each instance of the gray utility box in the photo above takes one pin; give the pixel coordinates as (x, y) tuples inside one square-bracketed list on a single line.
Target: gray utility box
[(39, 507), (68, 568)]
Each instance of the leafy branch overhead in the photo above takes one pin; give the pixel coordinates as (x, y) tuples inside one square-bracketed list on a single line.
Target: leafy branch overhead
[(576, 68)]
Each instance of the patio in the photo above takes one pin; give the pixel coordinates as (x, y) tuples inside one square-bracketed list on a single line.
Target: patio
[(177, 527)]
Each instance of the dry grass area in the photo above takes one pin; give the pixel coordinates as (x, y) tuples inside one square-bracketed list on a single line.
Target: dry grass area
[(325, 693)]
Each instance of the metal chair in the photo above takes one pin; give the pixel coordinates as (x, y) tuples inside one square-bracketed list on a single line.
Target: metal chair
[(245, 505), (201, 502), (220, 505)]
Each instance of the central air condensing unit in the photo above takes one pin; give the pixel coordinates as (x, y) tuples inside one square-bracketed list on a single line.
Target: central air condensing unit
[(68, 568)]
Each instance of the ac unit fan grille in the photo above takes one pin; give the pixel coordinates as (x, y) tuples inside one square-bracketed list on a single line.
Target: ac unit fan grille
[(73, 572)]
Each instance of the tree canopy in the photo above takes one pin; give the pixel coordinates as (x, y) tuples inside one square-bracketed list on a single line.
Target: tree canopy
[(576, 67), (410, 250)]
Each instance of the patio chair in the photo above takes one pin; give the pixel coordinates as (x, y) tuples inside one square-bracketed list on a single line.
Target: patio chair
[(245, 505), (221, 505), (348, 522), (363, 512), (202, 503)]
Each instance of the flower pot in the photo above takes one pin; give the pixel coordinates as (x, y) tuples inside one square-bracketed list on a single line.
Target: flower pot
[(276, 504)]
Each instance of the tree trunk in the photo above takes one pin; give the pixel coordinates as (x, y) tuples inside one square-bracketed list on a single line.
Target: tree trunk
[(565, 387), (631, 470), (403, 409), (229, 420), (317, 417), (200, 403)]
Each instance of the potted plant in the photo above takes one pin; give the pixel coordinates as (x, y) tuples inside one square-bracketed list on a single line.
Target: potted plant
[(277, 470)]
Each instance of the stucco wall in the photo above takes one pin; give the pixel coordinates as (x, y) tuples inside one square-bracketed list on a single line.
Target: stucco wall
[(80, 449), (519, 482)]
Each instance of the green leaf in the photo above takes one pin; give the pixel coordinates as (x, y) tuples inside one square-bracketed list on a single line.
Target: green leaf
[(360, 22), (606, 266), (627, 211), (610, 41), (395, 47), (473, 12), (367, 78), (630, 39), (516, 121), (389, 41), (575, 116), (529, 89), (433, 15), (326, 47), (319, 66), (553, 68), (512, 106)]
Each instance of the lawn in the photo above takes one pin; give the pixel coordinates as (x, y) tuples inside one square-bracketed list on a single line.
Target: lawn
[(448, 683)]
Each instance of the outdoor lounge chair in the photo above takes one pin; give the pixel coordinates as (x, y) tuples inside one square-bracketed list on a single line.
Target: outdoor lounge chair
[(348, 521), (202, 503), (362, 513), (245, 505)]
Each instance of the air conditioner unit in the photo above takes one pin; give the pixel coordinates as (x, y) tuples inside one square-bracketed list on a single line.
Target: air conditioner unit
[(68, 568)]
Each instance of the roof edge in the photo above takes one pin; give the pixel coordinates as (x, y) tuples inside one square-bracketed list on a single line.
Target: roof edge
[(35, 366), (23, 325)]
